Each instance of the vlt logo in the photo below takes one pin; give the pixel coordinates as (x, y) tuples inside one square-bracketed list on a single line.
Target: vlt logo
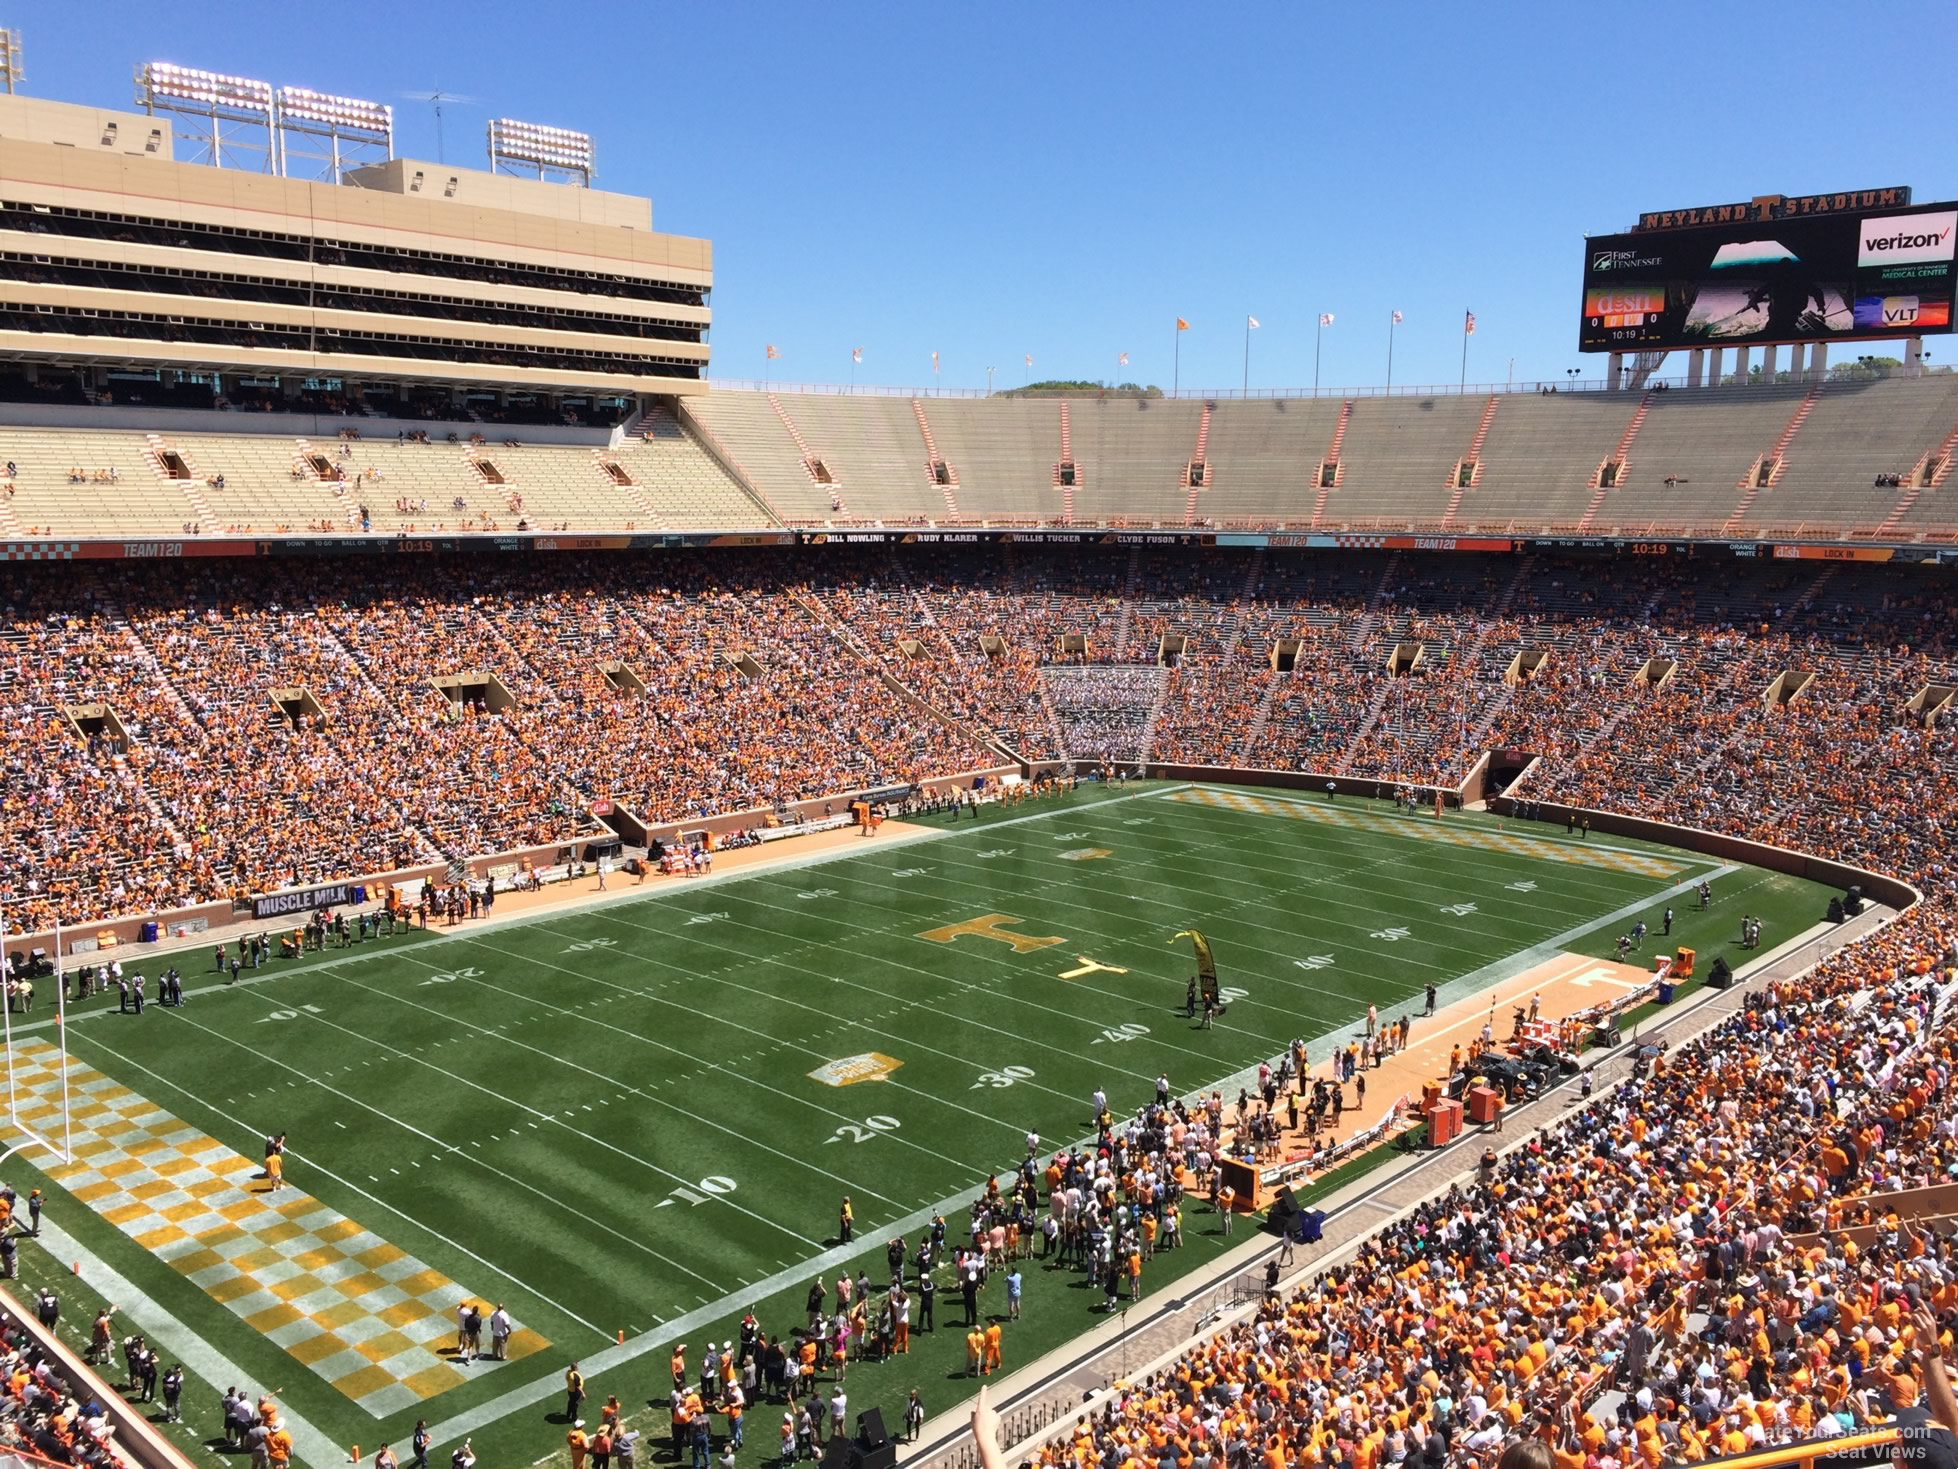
[(1900, 310)]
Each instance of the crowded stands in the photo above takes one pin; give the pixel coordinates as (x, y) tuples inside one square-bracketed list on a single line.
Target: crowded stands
[(371, 722)]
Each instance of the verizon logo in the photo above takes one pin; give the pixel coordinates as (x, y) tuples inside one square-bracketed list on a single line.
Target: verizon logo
[(1906, 239), (1907, 242)]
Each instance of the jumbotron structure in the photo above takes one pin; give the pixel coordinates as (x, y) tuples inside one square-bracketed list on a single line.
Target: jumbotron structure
[(386, 526)]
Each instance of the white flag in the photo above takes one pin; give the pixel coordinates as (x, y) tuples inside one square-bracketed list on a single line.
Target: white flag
[(856, 354), (1252, 322), (1325, 318), (1123, 360), (1397, 318)]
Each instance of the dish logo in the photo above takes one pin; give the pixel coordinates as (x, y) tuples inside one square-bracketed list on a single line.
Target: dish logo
[(1906, 239)]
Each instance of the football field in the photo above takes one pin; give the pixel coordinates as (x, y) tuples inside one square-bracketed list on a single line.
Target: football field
[(633, 1122)]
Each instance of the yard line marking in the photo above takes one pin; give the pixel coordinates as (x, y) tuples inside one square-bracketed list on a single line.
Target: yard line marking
[(1178, 887), (630, 1157), (832, 1115), (329, 1173), (1017, 1038), (409, 1127)]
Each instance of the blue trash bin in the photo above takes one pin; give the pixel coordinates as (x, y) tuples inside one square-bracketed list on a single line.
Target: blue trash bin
[(1665, 992)]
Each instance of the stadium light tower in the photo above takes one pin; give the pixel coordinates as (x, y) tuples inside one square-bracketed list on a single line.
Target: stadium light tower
[(531, 150), (226, 115), (331, 133), (10, 73)]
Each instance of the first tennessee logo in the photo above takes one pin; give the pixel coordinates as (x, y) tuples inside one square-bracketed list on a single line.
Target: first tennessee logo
[(1623, 260)]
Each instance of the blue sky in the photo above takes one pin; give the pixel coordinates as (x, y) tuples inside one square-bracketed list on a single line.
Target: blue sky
[(989, 181)]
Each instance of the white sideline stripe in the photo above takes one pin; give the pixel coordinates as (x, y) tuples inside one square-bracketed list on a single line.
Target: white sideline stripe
[(621, 898), (218, 1370), (1510, 965)]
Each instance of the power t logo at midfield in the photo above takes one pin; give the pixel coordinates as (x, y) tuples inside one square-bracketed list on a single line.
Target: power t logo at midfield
[(992, 926)]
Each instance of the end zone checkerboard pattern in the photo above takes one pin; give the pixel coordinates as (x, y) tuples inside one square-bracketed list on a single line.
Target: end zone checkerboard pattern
[(365, 1315)]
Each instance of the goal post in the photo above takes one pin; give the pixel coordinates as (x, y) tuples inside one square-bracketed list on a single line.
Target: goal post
[(37, 1134)]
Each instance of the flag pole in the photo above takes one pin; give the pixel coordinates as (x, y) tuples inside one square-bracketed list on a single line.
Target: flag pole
[(1390, 352), (1247, 357), (1176, 362), (1318, 332), (1461, 386)]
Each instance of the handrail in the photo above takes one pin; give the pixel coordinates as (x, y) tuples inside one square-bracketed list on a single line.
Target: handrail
[(1554, 387)]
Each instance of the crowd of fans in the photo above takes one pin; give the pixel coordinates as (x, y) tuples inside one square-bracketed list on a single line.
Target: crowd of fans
[(1662, 1276), (42, 1413), (746, 681)]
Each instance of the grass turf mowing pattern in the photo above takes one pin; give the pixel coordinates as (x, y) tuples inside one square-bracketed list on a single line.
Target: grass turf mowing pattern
[(605, 1120)]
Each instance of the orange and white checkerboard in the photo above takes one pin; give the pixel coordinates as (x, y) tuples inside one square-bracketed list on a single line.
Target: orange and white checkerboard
[(364, 1314), (1449, 833)]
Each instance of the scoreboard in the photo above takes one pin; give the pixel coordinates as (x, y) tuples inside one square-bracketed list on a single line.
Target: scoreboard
[(1850, 277)]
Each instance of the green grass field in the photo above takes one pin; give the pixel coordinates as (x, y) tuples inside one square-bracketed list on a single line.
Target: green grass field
[(615, 1120)]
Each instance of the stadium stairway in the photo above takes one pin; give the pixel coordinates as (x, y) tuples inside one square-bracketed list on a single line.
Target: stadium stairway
[(1327, 484), (260, 490), (1460, 483), (933, 459), (1067, 488), (810, 459), (1131, 452), (1945, 450), (46, 502), (1756, 480), (1857, 433), (1621, 456), (1705, 440), (1196, 474), (1001, 454), (1262, 457), (1397, 455)]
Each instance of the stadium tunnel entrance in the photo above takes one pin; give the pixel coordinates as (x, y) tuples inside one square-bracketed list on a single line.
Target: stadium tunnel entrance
[(1503, 769)]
